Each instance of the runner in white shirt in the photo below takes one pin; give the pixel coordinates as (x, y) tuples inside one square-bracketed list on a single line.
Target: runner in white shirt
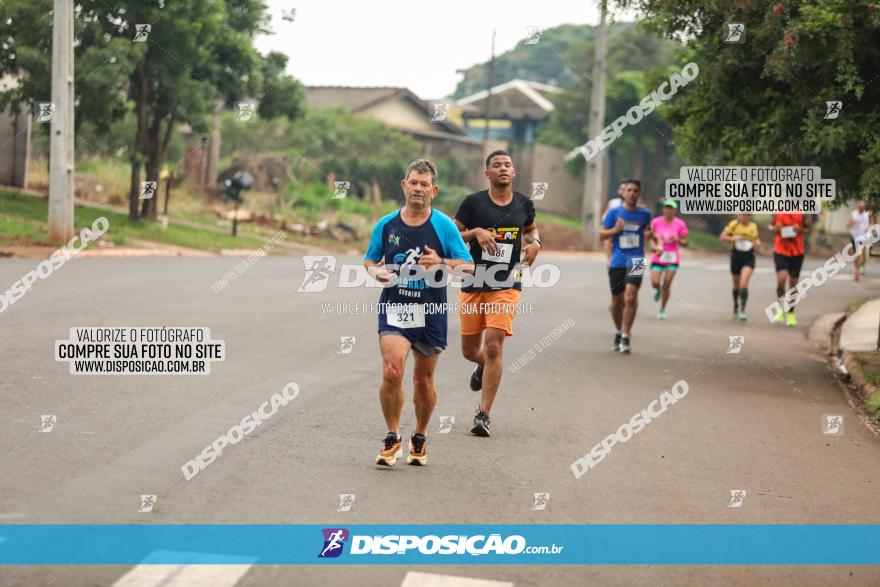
[(859, 221)]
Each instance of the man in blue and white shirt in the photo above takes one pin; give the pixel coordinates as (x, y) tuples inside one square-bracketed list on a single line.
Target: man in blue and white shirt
[(412, 311)]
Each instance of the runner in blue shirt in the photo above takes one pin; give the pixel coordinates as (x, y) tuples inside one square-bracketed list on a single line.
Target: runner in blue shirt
[(627, 226), (412, 307)]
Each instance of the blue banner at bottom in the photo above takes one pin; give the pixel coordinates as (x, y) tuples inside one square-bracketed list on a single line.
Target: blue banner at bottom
[(620, 544)]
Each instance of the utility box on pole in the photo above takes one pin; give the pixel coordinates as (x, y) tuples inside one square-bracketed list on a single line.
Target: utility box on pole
[(594, 175), (61, 112)]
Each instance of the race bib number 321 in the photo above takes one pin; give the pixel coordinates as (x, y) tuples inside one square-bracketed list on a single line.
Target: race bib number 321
[(407, 316)]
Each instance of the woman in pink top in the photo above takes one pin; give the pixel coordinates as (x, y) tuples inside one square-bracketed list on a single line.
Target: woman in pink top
[(669, 232)]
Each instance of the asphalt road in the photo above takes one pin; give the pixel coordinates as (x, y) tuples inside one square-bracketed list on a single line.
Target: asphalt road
[(751, 420)]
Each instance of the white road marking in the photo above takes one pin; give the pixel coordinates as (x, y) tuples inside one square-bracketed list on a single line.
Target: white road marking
[(414, 579), (183, 575)]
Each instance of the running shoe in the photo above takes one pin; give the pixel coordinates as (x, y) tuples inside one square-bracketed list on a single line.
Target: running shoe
[(779, 318), (792, 321), (862, 269), (616, 346), (858, 275), (741, 316), (657, 295), (661, 314), (391, 450), (624, 345), (481, 424), (477, 378), (418, 450)]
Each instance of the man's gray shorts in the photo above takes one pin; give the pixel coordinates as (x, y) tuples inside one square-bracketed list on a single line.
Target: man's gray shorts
[(423, 348)]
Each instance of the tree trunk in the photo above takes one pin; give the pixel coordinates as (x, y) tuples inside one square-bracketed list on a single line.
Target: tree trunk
[(639, 157), (135, 187), (654, 184), (377, 199), (154, 153)]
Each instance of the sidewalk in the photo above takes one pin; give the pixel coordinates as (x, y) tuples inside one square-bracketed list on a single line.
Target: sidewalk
[(859, 332)]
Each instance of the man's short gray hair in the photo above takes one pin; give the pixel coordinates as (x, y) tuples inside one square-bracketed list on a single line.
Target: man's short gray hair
[(422, 166)]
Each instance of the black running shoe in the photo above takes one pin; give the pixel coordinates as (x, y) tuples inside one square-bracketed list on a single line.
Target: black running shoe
[(616, 346), (477, 378), (481, 424), (624, 345)]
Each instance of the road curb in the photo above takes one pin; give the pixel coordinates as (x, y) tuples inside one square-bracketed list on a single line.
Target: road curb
[(848, 370)]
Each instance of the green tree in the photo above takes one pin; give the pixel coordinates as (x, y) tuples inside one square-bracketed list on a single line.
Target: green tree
[(637, 62), (198, 53), (763, 102)]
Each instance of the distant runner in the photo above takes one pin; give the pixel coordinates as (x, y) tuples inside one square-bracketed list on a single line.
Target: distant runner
[(495, 222), (413, 236), (627, 226), (669, 232), (613, 203), (788, 256), (859, 221), (742, 233)]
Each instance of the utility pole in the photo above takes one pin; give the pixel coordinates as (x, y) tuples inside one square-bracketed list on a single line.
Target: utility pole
[(61, 141), (488, 110), (594, 177)]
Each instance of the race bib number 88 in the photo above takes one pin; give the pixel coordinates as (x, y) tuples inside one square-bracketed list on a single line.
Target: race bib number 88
[(503, 253)]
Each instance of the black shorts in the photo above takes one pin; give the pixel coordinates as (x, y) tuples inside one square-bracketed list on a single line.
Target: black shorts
[(618, 277), (740, 259), (790, 264)]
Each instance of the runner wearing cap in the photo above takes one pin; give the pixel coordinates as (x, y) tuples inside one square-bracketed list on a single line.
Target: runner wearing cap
[(742, 233), (669, 231)]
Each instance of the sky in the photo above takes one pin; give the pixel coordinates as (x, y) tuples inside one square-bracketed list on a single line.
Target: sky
[(398, 43)]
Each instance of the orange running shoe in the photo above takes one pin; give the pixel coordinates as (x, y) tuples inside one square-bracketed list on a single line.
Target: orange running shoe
[(418, 450), (391, 450)]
